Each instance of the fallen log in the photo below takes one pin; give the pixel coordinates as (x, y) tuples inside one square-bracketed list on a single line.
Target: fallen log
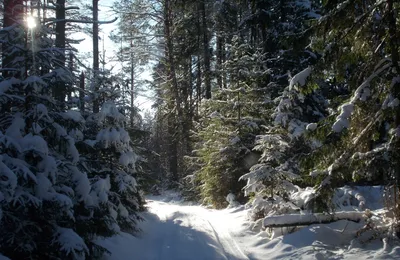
[(290, 220)]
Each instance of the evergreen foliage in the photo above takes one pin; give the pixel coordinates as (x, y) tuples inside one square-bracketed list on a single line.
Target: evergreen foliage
[(66, 180)]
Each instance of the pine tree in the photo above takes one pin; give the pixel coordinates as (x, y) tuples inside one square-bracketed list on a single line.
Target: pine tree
[(293, 107), (364, 69), (50, 199), (42, 183)]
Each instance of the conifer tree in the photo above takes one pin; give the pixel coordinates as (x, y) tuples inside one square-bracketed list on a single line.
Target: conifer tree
[(51, 199)]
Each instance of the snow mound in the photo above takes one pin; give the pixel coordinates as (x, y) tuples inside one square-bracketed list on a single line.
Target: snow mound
[(312, 240)]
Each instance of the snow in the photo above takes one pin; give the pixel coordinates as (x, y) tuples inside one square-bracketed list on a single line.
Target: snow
[(82, 184), (123, 212), (36, 143), (177, 231), (113, 137), (73, 115), (8, 180), (109, 109), (362, 93), (342, 120), (235, 140), (278, 220), (128, 158), (40, 111), (311, 126), (300, 78), (48, 166), (100, 190), (14, 130), (302, 197), (71, 149), (174, 229), (71, 243), (215, 114), (5, 85), (42, 187), (2, 257), (296, 128), (76, 134), (231, 199)]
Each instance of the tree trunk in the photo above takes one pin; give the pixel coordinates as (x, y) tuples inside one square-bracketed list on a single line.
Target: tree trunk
[(170, 57), (13, 13), (172, 147), (95, 55), (198, 86), (82, 93), (132, 84), (174, 90), (219, 60), (71, 69), (206, 50), (60, 91), (393, 43)]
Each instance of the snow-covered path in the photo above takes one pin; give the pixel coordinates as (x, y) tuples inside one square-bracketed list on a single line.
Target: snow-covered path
[(190, 232), (176, 231)]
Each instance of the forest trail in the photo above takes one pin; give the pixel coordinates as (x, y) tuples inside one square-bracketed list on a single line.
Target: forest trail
[(178, 231), (173, 230)]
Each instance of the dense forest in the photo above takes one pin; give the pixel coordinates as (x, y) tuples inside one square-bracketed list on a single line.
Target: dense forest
[(252, 98)]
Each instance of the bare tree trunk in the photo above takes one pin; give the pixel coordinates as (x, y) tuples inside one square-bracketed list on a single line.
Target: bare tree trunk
[(96, 55)]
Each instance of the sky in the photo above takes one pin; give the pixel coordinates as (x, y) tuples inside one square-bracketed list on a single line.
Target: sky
[(105, 14)]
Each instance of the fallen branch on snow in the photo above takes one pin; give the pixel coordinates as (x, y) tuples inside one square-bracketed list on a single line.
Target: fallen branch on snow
[(290, 220)]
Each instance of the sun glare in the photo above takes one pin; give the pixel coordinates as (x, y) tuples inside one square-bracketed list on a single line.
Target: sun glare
[(30, 21)]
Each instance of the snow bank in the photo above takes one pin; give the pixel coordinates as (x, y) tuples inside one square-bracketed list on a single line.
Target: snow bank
[(312, 242)]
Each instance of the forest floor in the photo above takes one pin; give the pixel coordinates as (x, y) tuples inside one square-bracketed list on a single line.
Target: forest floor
[(177, 230)]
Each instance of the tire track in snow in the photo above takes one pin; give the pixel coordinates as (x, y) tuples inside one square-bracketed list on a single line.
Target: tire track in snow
[(227, 242), (197, 219), (181, 233)]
